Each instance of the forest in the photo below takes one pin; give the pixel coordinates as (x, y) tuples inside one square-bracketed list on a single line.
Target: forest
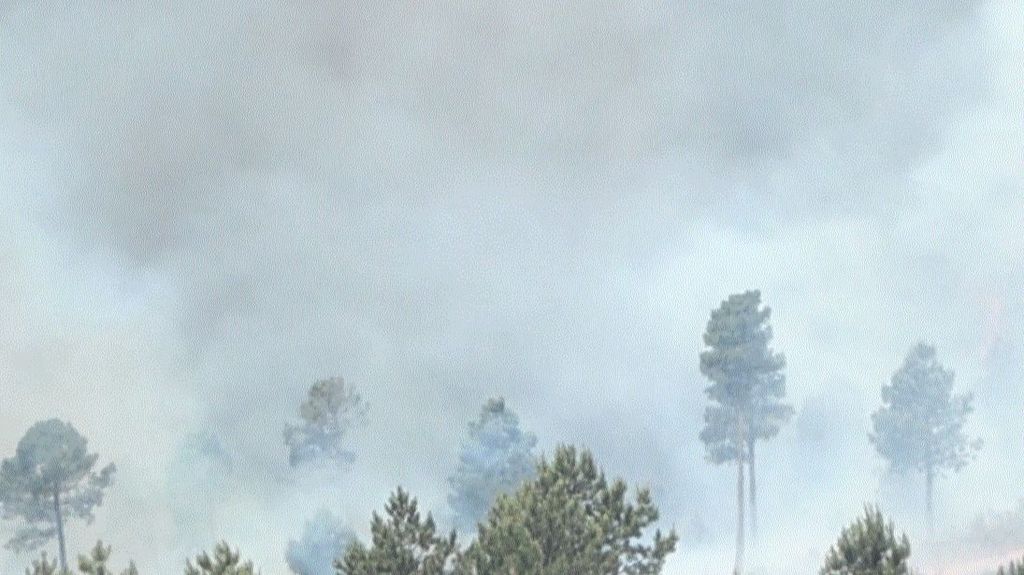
[(524, 513), (364, 287)]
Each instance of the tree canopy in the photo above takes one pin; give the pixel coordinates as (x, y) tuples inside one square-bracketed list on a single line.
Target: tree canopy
[(224, 561), (869, 546), (570, 519), (331, 409), (49, 479), (44, 566), (747, 386), (403, 543), (95, 563), (495, 459), (920, 425)]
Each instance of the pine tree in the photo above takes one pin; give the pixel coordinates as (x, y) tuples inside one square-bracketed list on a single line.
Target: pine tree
[(919, 427), (1013, 568), (95, 563), (224, 561), (330, 411), (44, 566), (50, 479), (569, 519), (746, 392), (868, 547), (403, 543), (497, 457)]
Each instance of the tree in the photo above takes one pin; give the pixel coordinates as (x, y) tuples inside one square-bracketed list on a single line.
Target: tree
[(331, 409), (224, 561), (95, 563), (868, 547), (919, 427), (496, 459), (768, 414), (50, 479), (745, 394), (569, 519), (324, 539), (1013, 568), (765, 418), (403, 543), (44, 566)]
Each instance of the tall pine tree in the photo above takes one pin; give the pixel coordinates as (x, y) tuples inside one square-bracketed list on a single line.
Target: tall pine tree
[(746, 392), (920, 425), (49, 480)]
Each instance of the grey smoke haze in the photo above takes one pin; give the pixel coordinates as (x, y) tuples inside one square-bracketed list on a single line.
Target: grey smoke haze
[(204, 209)]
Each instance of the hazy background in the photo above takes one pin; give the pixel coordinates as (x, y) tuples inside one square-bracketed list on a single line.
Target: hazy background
[(204, 209)]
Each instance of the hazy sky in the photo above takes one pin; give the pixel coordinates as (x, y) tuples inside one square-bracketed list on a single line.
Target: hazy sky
[(203, 210)]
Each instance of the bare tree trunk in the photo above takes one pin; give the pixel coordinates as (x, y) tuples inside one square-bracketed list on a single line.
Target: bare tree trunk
[(739, 498), (929, 486), (753, 492), (59, 520)]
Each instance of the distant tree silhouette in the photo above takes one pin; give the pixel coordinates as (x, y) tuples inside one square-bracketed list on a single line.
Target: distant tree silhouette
[(919, 426)]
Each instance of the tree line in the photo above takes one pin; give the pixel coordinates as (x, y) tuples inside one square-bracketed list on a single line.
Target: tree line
[(919, 427), (530, 515)]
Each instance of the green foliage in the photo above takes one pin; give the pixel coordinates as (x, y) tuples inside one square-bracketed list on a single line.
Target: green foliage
[(920, 424), (44, 566), (224, 561), (868, 547), (49, 479), (747, 384), (95, 563), (746, 392), (331, 409), (403, 543), (1013, 568), (569, 519), (496, 459)]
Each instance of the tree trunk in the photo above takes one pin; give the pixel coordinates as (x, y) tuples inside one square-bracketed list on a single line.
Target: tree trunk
[(753, 492), (59, 520), (929, 509), (739, 499)]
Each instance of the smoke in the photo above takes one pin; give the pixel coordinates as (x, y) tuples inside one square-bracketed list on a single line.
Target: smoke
[(324, 539), (205, 210)]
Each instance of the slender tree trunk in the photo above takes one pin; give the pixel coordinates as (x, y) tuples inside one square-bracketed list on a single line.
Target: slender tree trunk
[(739, 498), (59, 520), (753, 492), (929, 479)]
